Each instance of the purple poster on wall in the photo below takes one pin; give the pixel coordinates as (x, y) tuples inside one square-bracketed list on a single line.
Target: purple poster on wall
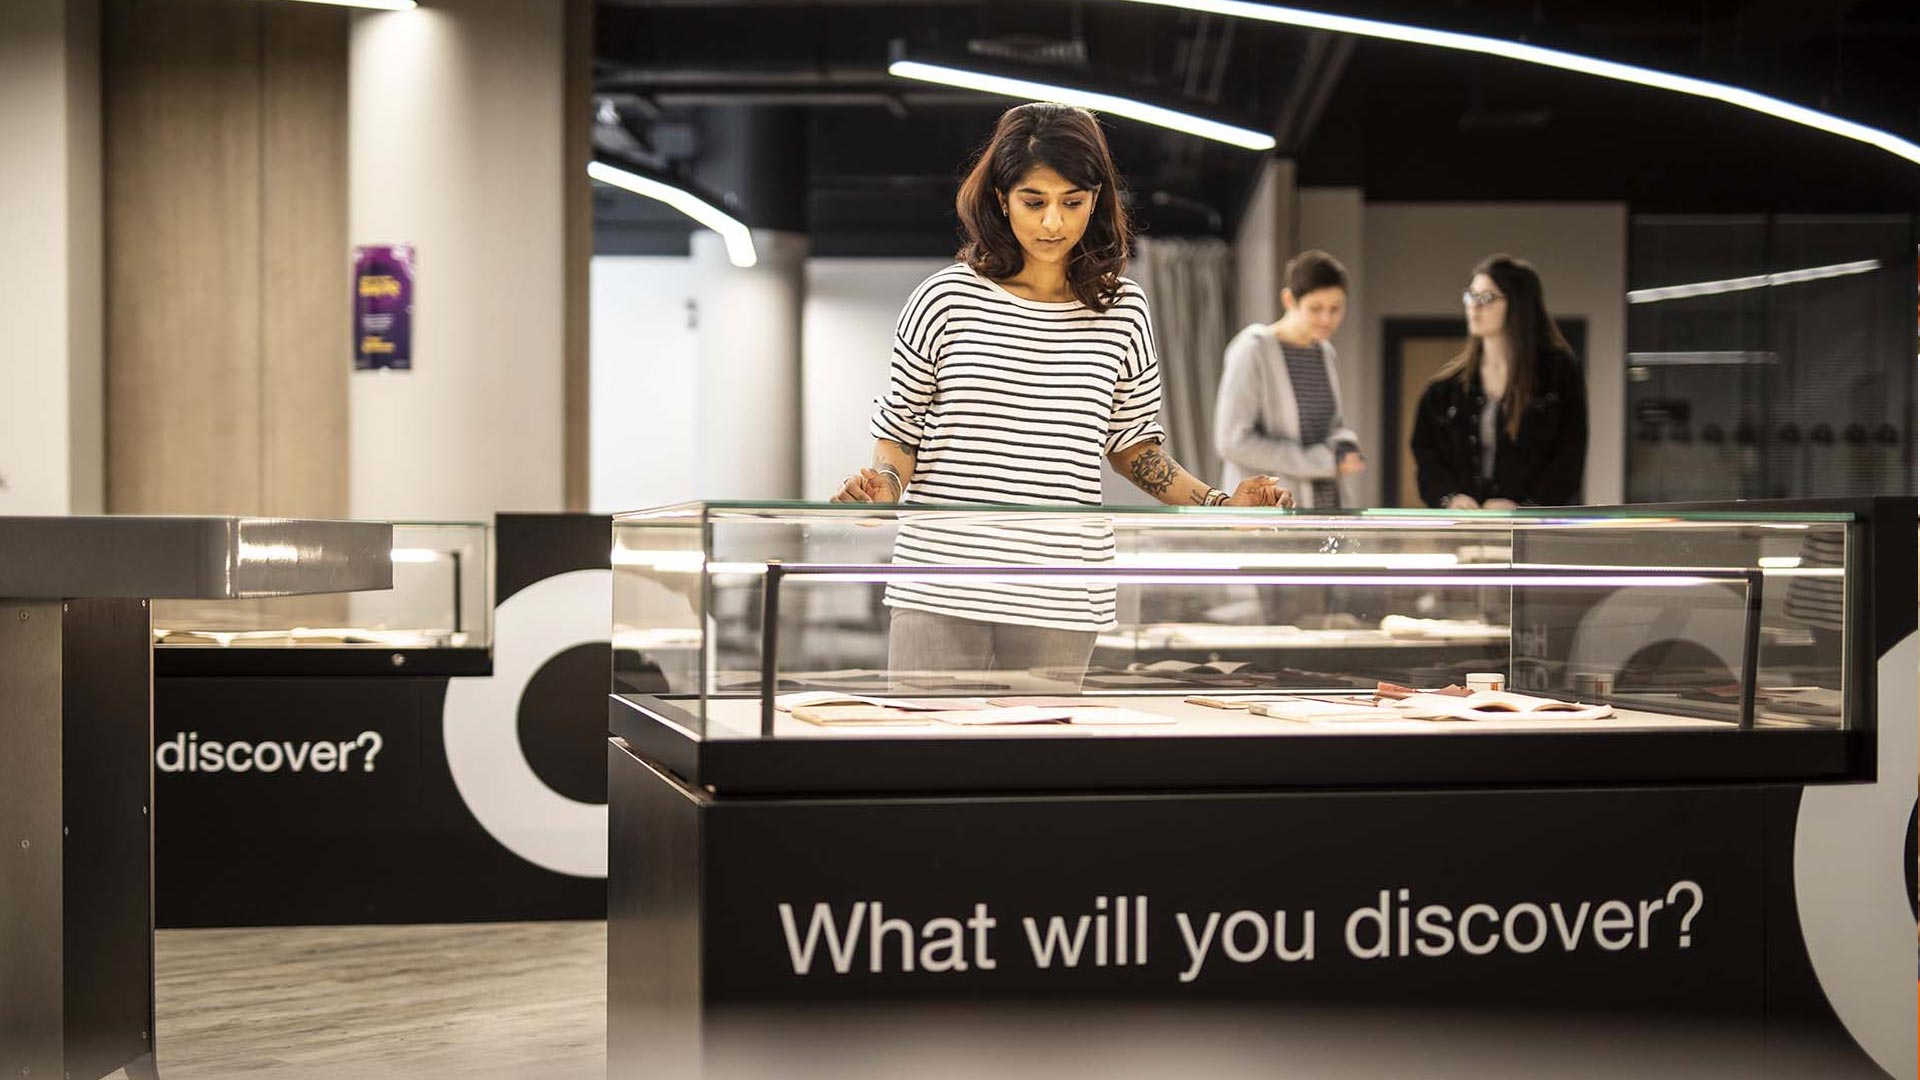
[(383, 307)]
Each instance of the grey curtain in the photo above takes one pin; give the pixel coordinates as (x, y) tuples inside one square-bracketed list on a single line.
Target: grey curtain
[(1189, 284)]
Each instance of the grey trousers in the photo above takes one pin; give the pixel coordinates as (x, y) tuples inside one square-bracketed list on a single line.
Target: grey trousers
[(923, 641)]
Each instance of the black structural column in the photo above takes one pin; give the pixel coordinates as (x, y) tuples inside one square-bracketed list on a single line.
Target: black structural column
[(76, 774), (79, 857)]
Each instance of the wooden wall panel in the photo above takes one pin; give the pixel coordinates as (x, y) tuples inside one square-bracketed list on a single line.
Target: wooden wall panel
[(183, 240), (577, 124), (224, 199), (305, 305)]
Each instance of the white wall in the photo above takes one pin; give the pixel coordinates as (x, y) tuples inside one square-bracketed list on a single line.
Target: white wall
[(1263, 244), (747, 433), (454, 138), (846, 344), (647, 400), (643, 379), (1418, 257), (50, 283)]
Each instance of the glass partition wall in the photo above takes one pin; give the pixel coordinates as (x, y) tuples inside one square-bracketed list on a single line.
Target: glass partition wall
[(1770, 356)]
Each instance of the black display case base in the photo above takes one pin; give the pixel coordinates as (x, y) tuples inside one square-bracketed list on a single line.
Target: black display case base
[(828, 925)]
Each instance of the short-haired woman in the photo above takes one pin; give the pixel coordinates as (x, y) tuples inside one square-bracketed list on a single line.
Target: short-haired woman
[(1279, 406), (1016, 372), (1504, 423)]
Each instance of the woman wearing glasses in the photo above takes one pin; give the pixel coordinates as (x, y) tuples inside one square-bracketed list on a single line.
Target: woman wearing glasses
[(1504, 424)]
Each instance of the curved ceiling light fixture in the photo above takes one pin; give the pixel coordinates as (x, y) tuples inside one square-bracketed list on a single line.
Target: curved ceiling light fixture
[(1534, 54), (731, 229), (1112, 104), (1756, 281), (377, 5)]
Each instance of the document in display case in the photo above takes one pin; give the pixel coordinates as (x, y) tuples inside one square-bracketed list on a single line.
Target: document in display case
[(437, 619), (1222, 647)]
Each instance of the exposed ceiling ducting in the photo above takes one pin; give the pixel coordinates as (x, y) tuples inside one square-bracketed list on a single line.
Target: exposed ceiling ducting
[(878, 155)]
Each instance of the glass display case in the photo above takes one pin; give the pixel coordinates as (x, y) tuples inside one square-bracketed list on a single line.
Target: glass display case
[(437, 619), (1234, 646)]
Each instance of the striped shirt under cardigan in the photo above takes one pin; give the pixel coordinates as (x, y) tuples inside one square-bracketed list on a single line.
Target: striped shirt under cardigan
[(1313, 393), (1013, 401)]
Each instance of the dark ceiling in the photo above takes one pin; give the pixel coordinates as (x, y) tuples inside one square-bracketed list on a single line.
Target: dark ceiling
[(784, 108)]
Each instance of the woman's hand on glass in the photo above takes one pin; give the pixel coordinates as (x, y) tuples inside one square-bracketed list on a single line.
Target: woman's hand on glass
[(867, 485), (1499, 504), (1261, 491), (1461, 502)]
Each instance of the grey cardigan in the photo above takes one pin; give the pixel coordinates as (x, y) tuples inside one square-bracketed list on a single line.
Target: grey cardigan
[(1256, 421)]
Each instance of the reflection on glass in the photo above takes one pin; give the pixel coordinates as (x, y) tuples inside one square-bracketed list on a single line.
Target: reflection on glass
[(1654, 621), (439, 600), (1769, 357)]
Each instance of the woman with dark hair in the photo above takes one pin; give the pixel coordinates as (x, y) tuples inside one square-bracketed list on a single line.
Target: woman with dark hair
[(1279, 407), (1504, 423), (1016, 372)]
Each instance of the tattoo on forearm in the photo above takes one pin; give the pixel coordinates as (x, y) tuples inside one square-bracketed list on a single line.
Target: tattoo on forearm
[(1153, 471)]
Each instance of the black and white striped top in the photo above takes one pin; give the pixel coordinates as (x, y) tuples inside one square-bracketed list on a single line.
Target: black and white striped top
[(1822, 601), (1313, 394), (1013, 401)]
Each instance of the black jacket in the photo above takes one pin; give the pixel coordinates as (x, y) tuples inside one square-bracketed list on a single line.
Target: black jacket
[(1542, 467)]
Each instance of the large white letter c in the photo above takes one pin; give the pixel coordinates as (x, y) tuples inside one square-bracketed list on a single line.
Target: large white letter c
[(482, 731)]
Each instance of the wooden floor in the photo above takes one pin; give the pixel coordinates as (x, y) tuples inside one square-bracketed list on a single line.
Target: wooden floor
[(480, 1000)]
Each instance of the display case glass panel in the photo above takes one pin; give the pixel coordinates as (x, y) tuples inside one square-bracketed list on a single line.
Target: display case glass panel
[(439, 600), (789, 621)]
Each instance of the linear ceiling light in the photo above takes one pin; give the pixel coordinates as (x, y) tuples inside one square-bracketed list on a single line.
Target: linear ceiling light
[(738, 237), (1534, 54), (1028, 90), (378, 5), (1756, 281)]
